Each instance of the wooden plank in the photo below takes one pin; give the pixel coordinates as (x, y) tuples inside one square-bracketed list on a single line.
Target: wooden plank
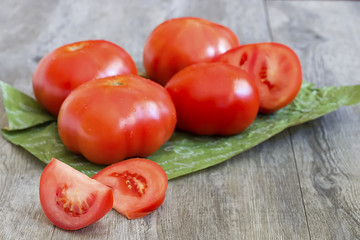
[(20, 26), (20, 211), (327, 150), (256, 200), (255, 195)]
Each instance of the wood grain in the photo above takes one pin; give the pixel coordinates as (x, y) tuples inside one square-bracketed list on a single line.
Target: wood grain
[(20, 212), (301, 184), (326, 150)]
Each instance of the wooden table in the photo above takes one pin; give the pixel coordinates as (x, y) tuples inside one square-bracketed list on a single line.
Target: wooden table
[(301, 184)]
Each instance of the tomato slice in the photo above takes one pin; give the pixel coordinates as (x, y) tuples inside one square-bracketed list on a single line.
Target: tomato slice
[(70, 199), (275, 68), (139, 186)]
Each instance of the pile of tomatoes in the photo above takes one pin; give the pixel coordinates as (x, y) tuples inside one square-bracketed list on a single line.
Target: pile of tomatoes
[(201, 80)]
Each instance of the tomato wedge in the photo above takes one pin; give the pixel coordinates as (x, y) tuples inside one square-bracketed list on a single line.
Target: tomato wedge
[(139, 186), (275, 68), (70, 199)]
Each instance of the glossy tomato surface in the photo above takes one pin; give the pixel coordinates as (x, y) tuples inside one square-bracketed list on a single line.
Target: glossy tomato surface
[(214, 98), (110, 119), (276, 70), (180, 42), (70, 199), (65, 68), (139, 186)]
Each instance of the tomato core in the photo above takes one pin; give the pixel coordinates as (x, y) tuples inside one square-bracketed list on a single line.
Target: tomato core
[(71, 201), (263, 75), (134, 182), (76, 46)]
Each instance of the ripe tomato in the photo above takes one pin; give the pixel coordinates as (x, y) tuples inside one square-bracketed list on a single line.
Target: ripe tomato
[(62, 70), (110, 119), (180, 42), (275, 68), (139, 186), (70, 199), (214, 98)]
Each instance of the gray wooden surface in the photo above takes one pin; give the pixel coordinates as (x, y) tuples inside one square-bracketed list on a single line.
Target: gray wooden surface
[(301, 184)]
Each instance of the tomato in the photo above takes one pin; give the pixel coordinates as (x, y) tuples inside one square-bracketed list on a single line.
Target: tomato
[(275, 68), (139, 186), (214, 98), (65, 68), (70, 199), (180, 42), (113, 118)]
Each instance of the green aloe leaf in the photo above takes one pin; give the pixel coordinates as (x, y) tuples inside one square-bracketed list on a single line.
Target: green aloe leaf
[(44, 142), (183, 153), (22, 111)]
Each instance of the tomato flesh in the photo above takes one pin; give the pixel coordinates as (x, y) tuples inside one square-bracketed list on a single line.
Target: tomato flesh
[(70, 199), (214, 99), (276, 70), (180, 42), (67, 67), (139, 186)]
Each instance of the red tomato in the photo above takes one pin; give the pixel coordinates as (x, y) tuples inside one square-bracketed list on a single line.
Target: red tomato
[(70, 199), (275, 68), (62, 70), (110, 119), (214, 98), (139, 186), (180, 42)]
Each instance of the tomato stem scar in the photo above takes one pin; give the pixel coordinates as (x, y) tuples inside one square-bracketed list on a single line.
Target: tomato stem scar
[(76, 46), (114, 83)]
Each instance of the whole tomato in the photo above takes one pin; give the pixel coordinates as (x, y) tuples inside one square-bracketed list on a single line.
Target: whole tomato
[(214, 98), (113, 118), (180, 42), (65, 68)]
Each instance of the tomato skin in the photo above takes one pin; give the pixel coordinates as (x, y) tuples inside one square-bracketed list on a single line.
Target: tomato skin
[(147, 173), (111, 119), (180, 42), (98, 197), (276, 70), (65, 68), (214, 98)]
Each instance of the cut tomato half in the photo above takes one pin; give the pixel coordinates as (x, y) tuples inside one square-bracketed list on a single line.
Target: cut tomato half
[(275, 68), (70, 199), (139, 186)]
